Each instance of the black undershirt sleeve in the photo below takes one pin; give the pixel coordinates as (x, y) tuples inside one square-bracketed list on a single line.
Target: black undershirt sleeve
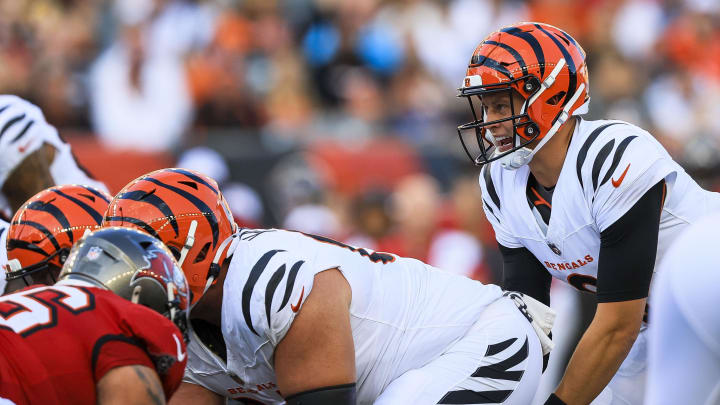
[(628, 248), (523, 272)]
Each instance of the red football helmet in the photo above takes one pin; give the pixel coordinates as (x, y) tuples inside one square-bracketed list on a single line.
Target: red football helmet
[(541, 63), (187, 212), (44, 229)]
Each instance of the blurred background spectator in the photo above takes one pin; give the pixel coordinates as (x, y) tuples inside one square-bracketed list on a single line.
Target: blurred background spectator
[(338, 117)]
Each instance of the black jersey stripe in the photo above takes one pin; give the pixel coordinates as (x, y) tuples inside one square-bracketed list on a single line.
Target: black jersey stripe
[(582, 155), (534, 44), (56, 213), (42, 229), (102, 340), (270, 290), (290, 283), (96, 193), (500, 370), (600, 161), (475, 397), (208, 213), (195, 178), (490, 186), (23, 131), (155, 201), (96, 216), (499, 347), (21, 244), (4, 108), (572, 78), (137, 222), (518, 58), (10, 123), (619, 152), (252, 279)]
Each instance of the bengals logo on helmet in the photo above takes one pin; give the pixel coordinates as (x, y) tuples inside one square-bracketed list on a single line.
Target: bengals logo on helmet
[(44, 229), (186, 211)]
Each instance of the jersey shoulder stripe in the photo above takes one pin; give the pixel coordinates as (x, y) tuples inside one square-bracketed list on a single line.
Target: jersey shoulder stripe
[(489, 185), (249, 286), (582, 155)]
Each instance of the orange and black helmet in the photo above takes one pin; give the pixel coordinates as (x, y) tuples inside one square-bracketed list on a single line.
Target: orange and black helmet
[(187, 212), (541, 63), (45, 228)]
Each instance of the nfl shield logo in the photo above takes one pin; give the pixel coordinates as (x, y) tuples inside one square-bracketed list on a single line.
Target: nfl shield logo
[(93, 253)]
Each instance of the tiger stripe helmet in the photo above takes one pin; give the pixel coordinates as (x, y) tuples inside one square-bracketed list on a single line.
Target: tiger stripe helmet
[(541, 63), (187, 212), (44, 229)]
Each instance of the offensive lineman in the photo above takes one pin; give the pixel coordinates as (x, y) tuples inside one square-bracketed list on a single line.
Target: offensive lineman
[(33, 157), (310, 320), (592, 203), (81, 341), (684, 330)]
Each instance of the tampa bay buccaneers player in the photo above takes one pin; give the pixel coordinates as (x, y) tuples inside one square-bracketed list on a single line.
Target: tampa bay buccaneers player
[(111, 331), (287, 317), (33, 156), (591, 203), (44, 229)]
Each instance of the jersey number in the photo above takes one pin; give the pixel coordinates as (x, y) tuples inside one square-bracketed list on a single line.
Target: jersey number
[(26, 312)]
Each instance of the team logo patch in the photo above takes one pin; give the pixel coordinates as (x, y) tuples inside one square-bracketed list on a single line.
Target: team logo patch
[(93, 253)]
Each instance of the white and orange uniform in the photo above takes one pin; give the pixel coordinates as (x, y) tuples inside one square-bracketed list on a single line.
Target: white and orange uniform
[(609, 166), (23, 130), (422, 335)]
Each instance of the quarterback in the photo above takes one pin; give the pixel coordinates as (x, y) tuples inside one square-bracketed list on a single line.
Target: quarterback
[(33, 157), (591, 203), (286, 316)]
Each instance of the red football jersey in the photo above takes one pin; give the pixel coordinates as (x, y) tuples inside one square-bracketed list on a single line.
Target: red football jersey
[(78, 333)]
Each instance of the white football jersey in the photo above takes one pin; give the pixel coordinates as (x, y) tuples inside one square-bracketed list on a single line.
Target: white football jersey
[(23, 130), (609, 166), (404, 312), (3, 254)]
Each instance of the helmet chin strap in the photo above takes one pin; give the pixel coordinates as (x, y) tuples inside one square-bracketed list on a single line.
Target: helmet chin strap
[(523, 156), (189, 242), (230, 244)]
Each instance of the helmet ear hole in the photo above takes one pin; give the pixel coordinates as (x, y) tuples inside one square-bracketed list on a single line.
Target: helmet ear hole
[(554, 100), (202, 254)]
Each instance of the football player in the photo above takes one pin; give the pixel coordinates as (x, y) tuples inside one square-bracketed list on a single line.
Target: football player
[(45, 228), (3, 253), (286, 316), (684, 329), (592, 203), (33, 157), (85, 340)]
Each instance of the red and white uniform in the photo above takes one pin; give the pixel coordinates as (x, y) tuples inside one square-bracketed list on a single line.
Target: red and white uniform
[(71, 334), (4, 226)]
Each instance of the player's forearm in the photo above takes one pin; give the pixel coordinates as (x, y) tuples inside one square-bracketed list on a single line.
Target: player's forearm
[(597, 358)]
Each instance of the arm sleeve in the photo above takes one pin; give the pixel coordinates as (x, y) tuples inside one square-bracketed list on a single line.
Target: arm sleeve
[(523, 272), (628, 248)]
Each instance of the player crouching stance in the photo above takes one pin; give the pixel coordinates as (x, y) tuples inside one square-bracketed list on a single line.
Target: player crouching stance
[(285, 316), (82, 340)]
